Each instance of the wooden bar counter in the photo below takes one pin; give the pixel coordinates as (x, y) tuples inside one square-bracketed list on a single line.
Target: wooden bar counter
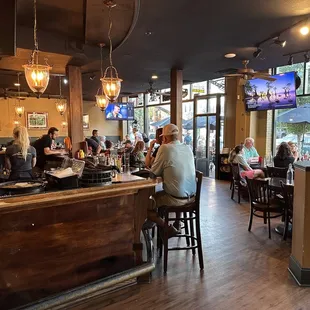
[(60, 248)]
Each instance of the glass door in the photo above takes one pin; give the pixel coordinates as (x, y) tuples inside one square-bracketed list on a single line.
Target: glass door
[(208, 129)]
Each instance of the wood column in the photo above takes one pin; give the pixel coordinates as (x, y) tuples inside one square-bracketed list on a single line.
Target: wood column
[(176, 84), (75, 107), (299, 265), (237, 120)]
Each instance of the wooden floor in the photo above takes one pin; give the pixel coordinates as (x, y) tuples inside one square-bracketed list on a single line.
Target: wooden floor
[(242, 270)]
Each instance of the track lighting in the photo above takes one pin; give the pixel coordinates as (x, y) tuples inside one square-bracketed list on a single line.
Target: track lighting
[(257, 52), (307, 57), (277, 41), (290, 60)]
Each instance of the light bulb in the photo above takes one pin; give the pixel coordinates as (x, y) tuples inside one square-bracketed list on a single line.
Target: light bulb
[(304, 30)]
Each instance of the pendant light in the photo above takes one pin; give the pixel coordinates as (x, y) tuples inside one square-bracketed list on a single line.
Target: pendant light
[(111, 83), (61, 103), (19, 109), (101, 99), (37, 76)]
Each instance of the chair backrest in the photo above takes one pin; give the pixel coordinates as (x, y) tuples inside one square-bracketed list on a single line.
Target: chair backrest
[(258, 191), (199, 176), (276, 172), (235, 171), (288, 194)]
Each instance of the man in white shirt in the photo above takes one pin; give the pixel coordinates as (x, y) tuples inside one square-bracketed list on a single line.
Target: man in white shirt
[(175, 164), (138, 135)]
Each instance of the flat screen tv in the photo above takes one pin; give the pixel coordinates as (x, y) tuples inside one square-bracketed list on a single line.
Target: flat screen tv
[(119, 111), (266, 95)]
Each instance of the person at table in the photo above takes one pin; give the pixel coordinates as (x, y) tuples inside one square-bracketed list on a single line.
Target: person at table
[(236, 156), (94, 147), (95, 136), (115, 113), (20, 157), (151, 154), (128, 147), (44, 149), (294, 150), (138, 135), (284, 156), (102, 140), (137, 155), (174, 162), (249, 151)]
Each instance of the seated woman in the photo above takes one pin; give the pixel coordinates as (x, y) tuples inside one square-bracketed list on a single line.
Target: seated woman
[(20, 157), (236, 157), (284, 156), (137, 156), (294, 150)]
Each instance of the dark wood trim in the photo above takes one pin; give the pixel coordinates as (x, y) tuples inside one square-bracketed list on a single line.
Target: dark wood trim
[(300, 275)]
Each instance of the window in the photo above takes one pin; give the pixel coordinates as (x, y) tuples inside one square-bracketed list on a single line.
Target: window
[(307, 77), (299, 68), (157, 116), (199, 89), (187, 122), (217, 86)]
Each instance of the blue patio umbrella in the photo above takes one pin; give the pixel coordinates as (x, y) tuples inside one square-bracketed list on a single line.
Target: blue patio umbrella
[(201, 122), (300, 115), (163, 122)]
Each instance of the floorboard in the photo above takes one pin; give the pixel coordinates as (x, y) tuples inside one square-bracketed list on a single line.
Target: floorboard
[(243, 270)]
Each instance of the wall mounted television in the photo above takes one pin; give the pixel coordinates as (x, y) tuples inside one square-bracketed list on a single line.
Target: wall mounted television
[(120, 111), (263, 95)]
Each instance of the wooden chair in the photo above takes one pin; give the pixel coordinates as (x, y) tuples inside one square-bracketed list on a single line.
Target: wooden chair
[(191, 216), (276, 172), (236, 182), (288, 195), (259, 193)]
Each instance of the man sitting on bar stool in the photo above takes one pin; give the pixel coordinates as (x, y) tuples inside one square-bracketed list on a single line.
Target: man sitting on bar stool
[(175, 164)]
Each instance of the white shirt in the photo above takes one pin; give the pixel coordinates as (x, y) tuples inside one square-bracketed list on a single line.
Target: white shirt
[(138, 137), (174, 162)]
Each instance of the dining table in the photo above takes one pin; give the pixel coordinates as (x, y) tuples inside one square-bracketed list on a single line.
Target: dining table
[(275, 185)]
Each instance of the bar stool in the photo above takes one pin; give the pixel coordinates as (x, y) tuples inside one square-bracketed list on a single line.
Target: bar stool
[(191, 214)]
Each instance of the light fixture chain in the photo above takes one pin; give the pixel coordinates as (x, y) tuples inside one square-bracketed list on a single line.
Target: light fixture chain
[(36, 44), (59, 87), (109, 35), (101, 62)]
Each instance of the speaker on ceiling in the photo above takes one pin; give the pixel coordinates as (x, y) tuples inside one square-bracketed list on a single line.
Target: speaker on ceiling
[(7, 28)]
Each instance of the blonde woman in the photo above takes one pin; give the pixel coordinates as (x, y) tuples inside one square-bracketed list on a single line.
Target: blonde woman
[(20, 157), (137, 155)]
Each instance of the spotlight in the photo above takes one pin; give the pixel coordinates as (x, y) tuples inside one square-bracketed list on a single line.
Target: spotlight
[(290, 60), (277, 41), (257, 52), (154, 77), (230, 55), (65, 81), (16, 84), (307, 57), (304, 30)]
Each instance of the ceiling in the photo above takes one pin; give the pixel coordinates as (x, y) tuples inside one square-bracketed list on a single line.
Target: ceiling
[(192, 35)]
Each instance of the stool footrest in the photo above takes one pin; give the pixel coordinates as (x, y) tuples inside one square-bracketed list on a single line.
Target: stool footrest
[(183, 248)]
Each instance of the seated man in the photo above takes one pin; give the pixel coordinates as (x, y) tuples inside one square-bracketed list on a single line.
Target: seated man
[(175, 164), (95, 136), (249, 151), (95, 147), (128, 146)]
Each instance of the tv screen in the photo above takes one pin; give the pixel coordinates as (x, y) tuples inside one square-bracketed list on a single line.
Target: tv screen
[(120, 111), (266, 95)]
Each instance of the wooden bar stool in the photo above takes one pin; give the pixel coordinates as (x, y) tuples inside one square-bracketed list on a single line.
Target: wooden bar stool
[(190, 218)]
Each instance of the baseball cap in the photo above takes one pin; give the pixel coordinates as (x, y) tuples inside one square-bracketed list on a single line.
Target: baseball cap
[(170, 130), (127, 141)]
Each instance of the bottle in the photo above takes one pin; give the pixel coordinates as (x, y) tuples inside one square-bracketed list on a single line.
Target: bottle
[(290, 175), (81, 154)]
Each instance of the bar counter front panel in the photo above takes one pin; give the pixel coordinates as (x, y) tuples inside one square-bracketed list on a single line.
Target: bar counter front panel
[(51, 243)]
